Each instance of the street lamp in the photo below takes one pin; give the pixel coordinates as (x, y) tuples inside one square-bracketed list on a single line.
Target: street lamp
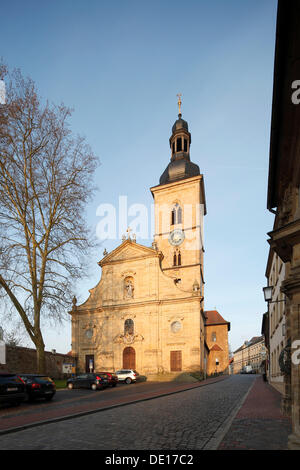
[(268, 295)]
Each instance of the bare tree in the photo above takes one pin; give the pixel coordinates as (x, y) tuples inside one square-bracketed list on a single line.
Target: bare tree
[(13, 337), (46, 178)]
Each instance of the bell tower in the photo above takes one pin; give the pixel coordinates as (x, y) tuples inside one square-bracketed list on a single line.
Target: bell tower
[(179, 205)]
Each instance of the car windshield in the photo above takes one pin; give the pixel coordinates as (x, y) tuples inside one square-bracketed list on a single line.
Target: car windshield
[(35, 378), (26, 379)]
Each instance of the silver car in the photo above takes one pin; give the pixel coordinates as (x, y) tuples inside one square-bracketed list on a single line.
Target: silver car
[(127, 375)]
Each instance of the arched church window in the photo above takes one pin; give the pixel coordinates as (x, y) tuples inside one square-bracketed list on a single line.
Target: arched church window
[(179, 215), (179, 144), (128, 327), (173, 216), (176, 215), (185, 145), (177, 258)]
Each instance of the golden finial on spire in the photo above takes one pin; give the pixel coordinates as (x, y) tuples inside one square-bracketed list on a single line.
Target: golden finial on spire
[(179, 103)]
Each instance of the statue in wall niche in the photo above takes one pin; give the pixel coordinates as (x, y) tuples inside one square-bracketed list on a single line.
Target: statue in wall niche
[(128, 288)]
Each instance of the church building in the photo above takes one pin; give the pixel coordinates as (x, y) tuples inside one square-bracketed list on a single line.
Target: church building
[(147, 311)]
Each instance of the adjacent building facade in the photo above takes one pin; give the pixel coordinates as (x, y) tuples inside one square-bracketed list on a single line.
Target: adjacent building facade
[(251, 353), (216, 336), (276, 318), (284, 195)]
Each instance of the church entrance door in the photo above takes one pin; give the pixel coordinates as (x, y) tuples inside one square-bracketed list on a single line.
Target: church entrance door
[(176, 361), (89, 363), (129, 358)]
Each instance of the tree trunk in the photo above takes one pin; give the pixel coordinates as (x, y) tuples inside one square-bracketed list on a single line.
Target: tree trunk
[(40, 355), (41, 363)]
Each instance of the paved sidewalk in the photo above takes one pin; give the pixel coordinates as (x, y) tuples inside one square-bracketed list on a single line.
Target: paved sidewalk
[(259, 424)]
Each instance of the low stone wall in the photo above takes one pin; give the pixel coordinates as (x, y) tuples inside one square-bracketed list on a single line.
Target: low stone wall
[(19, 359)]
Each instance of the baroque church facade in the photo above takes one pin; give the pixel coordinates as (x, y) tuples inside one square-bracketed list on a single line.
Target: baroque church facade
[(147, 311)]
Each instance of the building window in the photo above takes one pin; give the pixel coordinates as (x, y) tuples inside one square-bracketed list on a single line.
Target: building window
[(176, 215), (185, 145), (129, 327), (214, 336), (175, 326), (179, 144), (177, 258)]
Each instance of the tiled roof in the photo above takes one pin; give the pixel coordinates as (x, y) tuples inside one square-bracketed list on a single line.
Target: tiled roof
[(255, 339), (214, 318), (216, 348)]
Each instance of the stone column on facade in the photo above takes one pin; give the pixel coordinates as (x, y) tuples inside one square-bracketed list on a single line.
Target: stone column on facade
[(291, 287), (286, 401), (294, 438)]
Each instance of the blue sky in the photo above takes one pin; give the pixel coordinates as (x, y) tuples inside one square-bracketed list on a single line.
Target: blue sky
[(120, 64)]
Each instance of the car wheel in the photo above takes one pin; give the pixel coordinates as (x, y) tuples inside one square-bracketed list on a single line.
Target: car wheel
[(94, 387), (70, 386), (128, 380)]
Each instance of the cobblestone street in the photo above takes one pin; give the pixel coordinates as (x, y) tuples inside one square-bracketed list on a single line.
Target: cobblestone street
[(238, 412), (186, 420)]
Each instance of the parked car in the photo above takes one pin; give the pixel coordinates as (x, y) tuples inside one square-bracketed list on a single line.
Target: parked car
[(12, 389), (112, 378), (38, 386), (127, 375), (247, 370), (95, 381)]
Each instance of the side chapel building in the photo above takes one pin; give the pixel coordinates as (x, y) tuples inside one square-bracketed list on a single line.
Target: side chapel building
[(147, 311)]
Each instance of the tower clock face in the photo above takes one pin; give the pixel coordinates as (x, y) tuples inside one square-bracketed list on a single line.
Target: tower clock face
[(176, 237)]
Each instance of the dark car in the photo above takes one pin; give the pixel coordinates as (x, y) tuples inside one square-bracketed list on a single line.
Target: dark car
[(95, 381), (112, 378), (38, 386), (12, 389)]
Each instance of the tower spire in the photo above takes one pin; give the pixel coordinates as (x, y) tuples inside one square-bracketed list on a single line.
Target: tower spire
[(179, 104), (180, 166)]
